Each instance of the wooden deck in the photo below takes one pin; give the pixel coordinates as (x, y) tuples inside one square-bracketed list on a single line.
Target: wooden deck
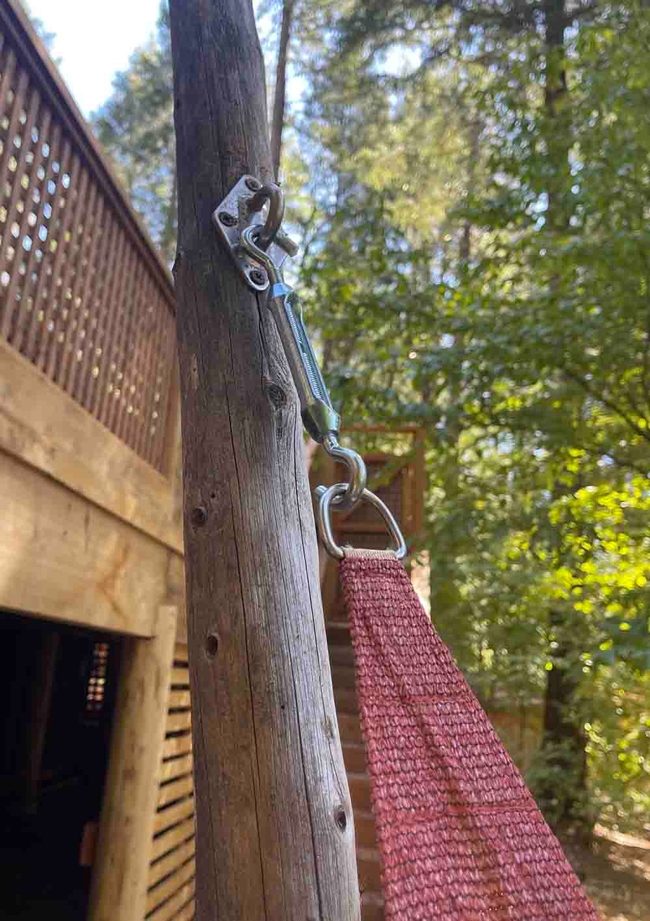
[(91, 530)]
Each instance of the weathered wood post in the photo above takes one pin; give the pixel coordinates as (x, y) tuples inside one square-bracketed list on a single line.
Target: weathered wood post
[(275, 833)]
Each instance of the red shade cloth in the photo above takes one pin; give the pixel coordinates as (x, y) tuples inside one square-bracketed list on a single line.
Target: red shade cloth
[(459, 835)]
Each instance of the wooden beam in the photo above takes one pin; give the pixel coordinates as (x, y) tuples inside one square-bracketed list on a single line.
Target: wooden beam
[(64, 559), (275, 838), (121, 872), (46, 428)]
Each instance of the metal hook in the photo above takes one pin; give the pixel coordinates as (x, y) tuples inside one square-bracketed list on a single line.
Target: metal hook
[(275, 197), (355, 488), (250, 243)]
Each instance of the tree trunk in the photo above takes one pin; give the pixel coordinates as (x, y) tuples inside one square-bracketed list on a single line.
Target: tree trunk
[(168, 237), (558, 135), (561, 792), (445, 595), (279, 98), (275, 837), (562, 788)]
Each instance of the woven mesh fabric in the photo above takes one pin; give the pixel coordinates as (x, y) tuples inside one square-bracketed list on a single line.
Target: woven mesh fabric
[(459, 835)]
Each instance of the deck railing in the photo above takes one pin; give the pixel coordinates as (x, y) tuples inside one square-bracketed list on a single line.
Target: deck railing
[(83, 294)]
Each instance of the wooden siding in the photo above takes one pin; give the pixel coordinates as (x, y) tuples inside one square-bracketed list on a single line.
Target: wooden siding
[(170, 894)]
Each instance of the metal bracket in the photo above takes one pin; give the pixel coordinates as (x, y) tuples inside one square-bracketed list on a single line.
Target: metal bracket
[(232, 216)]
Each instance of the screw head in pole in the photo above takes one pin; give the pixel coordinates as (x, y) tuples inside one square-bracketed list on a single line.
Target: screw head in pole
[(258, 277), (253, 184), (227, 219)]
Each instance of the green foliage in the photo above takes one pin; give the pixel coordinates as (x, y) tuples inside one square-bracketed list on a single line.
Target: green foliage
[(46, 37), (471, 186), (136, 126), (481, 268)]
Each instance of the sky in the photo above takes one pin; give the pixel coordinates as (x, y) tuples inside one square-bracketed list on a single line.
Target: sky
[(94, 40)]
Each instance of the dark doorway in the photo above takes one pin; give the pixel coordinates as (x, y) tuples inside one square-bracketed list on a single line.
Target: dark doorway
[(57, 691)]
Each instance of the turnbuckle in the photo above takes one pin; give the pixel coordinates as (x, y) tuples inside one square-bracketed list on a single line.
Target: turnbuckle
[(259, 250)]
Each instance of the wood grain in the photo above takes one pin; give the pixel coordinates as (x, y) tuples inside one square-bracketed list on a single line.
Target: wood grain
[(168, 841), (269, 771), (49, 430), (64, 559), (129, 807), (171, 816)]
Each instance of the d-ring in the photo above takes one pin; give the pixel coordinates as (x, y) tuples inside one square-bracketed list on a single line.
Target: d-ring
[(324, 523), (275, 197)]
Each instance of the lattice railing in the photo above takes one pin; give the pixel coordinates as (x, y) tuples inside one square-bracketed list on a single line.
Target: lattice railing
[(82, 295)]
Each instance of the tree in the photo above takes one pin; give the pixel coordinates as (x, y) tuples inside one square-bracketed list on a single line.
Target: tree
[(526, 415), (279, 96), (136, 127), (45, 36)]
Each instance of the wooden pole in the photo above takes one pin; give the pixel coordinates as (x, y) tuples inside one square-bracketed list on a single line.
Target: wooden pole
[(275, 835), (121, 868)]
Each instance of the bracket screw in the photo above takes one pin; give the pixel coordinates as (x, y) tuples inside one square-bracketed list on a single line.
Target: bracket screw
[(257, 276), (227, 219), (253, 184)]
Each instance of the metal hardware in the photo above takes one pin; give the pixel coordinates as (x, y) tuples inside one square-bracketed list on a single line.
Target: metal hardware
[(248, 246), (244, 206), (318, 415), (258, 276), (275, 197), (259, 248), (358, 474), (326, 498)]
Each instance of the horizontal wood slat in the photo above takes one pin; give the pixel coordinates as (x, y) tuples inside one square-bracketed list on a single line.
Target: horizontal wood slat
[(170, 886), (179, 700), (177, 745), (177, 767), (172, 838), (177, 789), (52, 433), (166, 818), (176, 722), (171, 862), (173, 846), (180, 676), (186, 913), (178, 907), (180, 654)]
